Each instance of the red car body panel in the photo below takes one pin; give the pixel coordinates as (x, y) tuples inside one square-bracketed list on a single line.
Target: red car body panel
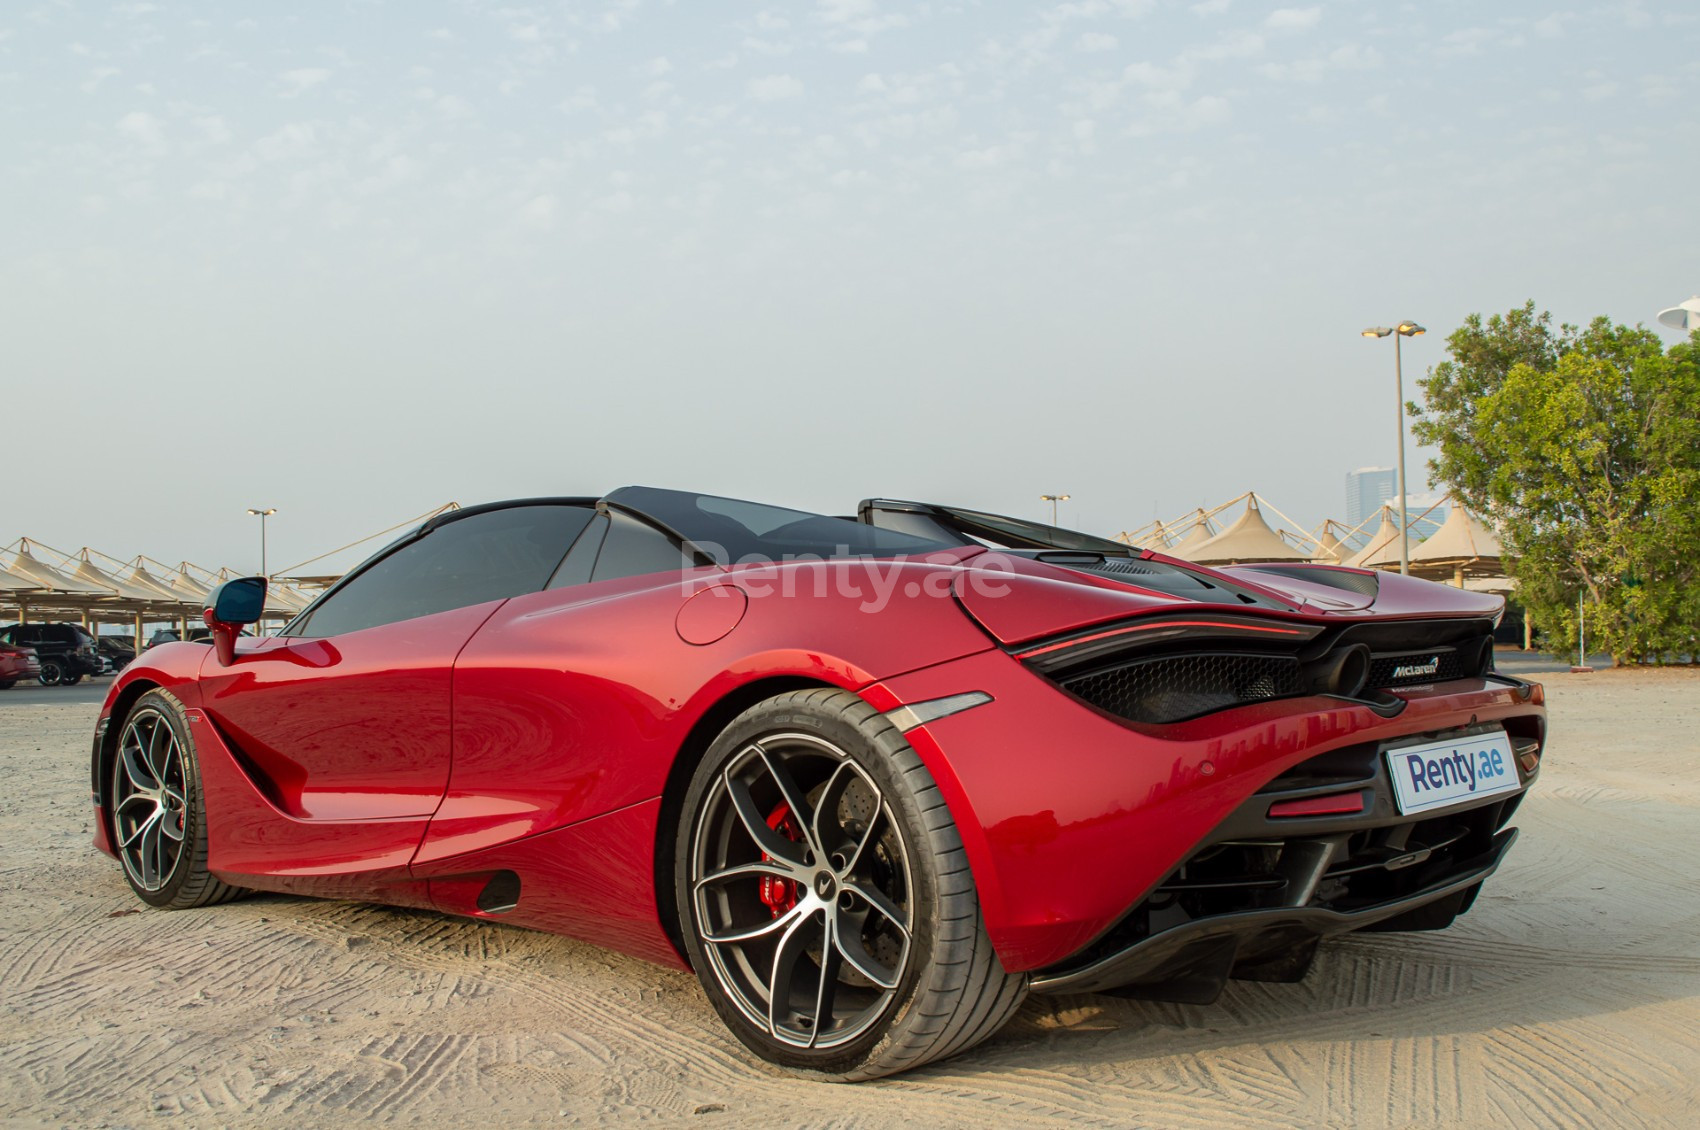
[(1048, 600), (1112, 792), (352, 729), (409, 763)]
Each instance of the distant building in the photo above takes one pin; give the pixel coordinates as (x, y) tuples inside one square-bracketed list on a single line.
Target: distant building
[(1367, 490), (1428, 512)]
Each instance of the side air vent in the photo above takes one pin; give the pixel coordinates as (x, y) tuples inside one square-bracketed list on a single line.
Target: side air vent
[(500, 894)]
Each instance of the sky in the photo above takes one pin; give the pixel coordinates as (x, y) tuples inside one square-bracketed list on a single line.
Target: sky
[(355, 259)]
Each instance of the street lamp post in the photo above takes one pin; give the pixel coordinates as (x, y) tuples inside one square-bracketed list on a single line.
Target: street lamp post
[(1403, 329), (1053, 499), (263, 515)]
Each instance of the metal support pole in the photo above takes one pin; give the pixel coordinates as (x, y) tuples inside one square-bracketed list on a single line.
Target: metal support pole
[(1404, 518), (1581, 632)]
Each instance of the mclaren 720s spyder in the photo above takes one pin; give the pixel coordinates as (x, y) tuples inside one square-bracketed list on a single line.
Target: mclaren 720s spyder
[(874, 779)]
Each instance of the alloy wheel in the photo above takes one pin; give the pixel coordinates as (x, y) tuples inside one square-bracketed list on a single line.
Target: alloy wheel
[(802, 890), (149, 799)]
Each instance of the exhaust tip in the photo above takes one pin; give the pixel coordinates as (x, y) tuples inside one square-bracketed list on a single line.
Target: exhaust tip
[(1344, 672)]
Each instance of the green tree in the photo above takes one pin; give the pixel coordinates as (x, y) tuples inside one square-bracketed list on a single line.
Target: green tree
[(1583, 447)]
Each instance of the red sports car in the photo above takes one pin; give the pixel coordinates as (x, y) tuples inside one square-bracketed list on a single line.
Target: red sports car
[(874, 779)]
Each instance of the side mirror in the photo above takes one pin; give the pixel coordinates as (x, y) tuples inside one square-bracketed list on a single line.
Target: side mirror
[(229, 607)]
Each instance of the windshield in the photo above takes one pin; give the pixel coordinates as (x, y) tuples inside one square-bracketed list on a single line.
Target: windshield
[(731, 530)]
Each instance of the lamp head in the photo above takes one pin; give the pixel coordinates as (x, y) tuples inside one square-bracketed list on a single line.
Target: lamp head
[(1410, 329), (1377, 331)]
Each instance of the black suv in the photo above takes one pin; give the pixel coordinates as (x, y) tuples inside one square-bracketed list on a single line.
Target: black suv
[(116, 650), (67, 651)]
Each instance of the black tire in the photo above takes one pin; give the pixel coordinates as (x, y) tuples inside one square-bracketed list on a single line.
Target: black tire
[(70, 678), (163, 848), (910, 975), (7, 684), (51, 674)]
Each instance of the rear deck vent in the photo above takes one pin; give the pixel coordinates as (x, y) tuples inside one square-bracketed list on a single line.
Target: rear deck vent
[(1172, 688)]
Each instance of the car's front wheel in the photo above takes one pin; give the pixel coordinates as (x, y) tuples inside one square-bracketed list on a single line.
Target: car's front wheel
[(825, 897), (52, 673), (159, 819)]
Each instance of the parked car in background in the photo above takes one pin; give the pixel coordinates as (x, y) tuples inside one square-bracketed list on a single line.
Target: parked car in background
[(17, 663), (172, 635), (116, 651), (66, 651)]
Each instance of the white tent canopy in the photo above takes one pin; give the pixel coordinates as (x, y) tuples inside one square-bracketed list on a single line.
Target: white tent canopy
[(1248, 539), (1383, 548), (1197, 536), (1462, 537)]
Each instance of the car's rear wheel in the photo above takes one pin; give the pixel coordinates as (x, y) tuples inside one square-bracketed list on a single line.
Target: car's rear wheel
[(52, 673), (70, 678), (825, 899), (7, 684), (159, 820)]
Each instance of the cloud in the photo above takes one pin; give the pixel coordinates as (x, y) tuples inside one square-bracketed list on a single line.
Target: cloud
[(302, 79), (861, 16), (1293, 18), (656, 67), (538, 212), (774, 88), (293, 140), (1347, 57), (142, 128), (1096, 41), (1211, 7), (213, 129), (617, 14)]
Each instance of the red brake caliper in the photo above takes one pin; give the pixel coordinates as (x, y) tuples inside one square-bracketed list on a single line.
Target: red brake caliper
[(779, 894)]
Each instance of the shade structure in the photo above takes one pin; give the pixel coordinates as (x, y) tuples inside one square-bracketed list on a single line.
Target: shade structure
[(11, 583), (1382, 551), (130, 593), (188, 587), (1248, 539), (28, 567), (1462, 548), (1330, 550), (1196, 536), (1157, 539), (139, 576)]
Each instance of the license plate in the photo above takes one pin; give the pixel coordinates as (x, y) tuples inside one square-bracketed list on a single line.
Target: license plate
[(1437, 774)]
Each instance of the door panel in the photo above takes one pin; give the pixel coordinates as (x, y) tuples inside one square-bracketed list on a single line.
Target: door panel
[(355, 727), (552, 723)]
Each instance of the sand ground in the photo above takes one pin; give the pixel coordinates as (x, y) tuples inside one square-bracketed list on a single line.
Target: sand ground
[(1570, 995)]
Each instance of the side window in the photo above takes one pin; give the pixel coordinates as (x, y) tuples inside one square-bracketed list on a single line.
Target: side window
[(576, 566), (482, 557), (633, 548)]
